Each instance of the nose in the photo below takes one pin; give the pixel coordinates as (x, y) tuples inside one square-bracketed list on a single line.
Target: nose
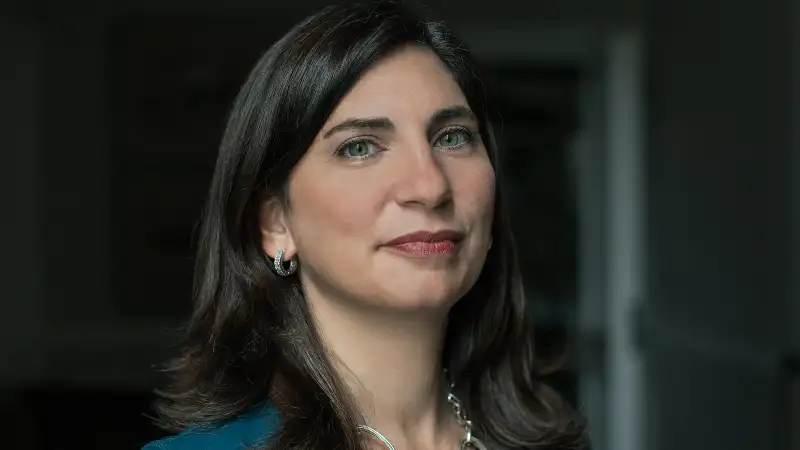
[(424, 182)]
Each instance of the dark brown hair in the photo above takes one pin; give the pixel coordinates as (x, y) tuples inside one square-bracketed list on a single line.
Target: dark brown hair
[(251, 338)]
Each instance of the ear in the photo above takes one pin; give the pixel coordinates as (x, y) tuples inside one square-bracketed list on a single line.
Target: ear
[(275, 231)]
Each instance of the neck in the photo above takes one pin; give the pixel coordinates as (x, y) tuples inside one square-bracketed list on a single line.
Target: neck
[(391, 363)]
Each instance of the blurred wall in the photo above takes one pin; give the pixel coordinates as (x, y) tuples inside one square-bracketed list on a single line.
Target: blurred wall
[(21, 231), (720, 167), (794, 243)]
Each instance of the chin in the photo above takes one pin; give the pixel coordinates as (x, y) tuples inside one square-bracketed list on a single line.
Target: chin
[(427, 295), (419, 285)]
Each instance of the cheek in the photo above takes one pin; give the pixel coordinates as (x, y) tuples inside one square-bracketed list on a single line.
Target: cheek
[(326, 208), (476, 190)]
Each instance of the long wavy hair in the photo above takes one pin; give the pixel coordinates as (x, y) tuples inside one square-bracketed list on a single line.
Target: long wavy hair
[(251, 339)]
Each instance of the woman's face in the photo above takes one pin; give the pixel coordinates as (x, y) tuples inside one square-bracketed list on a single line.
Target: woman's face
[(392, 205)]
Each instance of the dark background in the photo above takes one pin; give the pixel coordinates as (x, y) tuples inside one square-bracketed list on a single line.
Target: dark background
[(652, 159)]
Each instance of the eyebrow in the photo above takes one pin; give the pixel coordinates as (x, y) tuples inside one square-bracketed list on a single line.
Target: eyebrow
[(369, 123), (445, 115), (383, 123)]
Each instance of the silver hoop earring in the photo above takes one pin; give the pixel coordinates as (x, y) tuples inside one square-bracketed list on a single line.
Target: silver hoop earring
[(277, 264)]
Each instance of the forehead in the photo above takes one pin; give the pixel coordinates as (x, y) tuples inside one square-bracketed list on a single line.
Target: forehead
[(411, 81)]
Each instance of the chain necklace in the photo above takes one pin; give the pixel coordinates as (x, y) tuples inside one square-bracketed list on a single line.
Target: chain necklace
[(468, 442)]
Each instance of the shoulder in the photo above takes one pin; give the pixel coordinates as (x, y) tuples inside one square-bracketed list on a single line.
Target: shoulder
[(249, 429)]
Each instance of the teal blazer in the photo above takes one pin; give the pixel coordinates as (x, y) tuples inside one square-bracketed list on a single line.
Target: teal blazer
[(244, 432)]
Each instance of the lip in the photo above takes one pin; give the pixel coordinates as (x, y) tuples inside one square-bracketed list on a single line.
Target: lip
[(427, 236), (427, 243)]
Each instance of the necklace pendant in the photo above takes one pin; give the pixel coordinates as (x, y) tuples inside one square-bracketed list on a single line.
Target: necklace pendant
[(472, 443)]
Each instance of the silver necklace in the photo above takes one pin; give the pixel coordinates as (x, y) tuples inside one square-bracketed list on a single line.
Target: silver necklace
[(468, 442)]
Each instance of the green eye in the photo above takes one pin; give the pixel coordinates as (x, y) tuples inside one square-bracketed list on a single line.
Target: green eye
[(453, 139), (358, 149)]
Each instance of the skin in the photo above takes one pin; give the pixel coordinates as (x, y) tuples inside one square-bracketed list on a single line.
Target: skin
[(382, 312)]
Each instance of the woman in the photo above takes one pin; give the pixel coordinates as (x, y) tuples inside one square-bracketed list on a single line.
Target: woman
[(356, 280)]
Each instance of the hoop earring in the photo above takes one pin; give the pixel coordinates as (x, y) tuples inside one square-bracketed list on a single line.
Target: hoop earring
[(277, 264)]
